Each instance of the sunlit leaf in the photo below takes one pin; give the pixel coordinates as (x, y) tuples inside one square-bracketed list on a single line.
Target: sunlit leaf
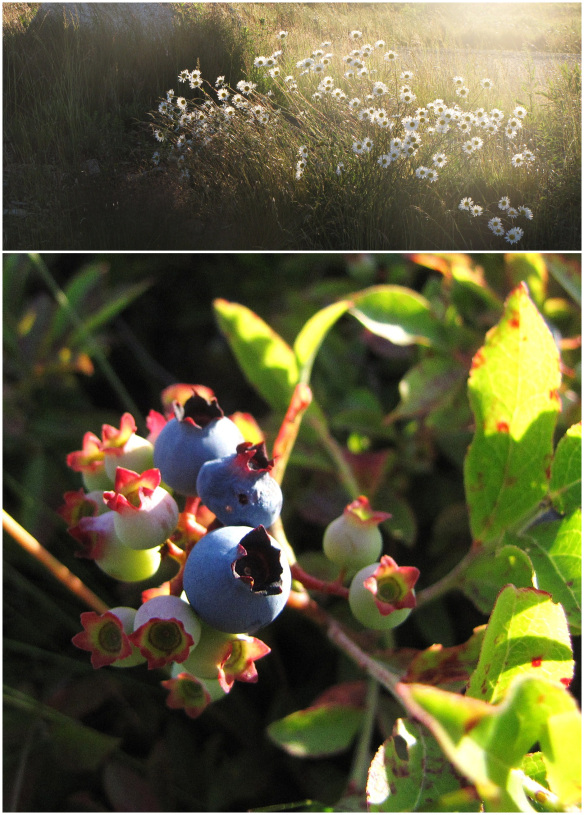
[(528, 634), (486, 576), (266, 360), (399, 315), (312, 334), (410, 773), (487, 743), (566, 473), (555, 550), (530, 267), (513, 391)]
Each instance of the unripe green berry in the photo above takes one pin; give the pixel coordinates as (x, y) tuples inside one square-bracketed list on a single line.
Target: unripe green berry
[(137, 454), (353, 540), (126, 616), (364, 607), (351, 545)]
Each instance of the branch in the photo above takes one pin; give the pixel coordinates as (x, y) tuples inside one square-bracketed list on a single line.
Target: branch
[(58, 569)]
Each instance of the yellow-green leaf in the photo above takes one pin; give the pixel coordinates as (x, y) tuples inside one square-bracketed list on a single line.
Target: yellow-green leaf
[(312, 334), (266, 360), (528, 634), (566, 475), (513, 391), (400, 315)]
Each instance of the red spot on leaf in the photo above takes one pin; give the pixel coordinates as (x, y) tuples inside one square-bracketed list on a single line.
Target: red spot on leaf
[(472, 722), (514, 320), (502, 427), (536, 662), (478, 360), (566, 681)]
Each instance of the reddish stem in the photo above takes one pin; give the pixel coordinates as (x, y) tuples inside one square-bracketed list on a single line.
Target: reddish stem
[(324, 586)]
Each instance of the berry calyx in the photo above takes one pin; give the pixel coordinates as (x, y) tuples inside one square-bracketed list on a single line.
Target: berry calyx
[(226, 657), (90, 462), (381, 595), (124, 448), (104, 636), (187, 693), (353, 540), (237, 579), (239, 489), (165, 630), (199, 432)]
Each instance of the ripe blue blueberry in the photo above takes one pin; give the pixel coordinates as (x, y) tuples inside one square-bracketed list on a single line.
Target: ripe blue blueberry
[(198, 433), (237, 579), (239, 489)]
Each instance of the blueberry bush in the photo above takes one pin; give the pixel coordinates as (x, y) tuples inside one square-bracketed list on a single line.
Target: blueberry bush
[(394, 531)]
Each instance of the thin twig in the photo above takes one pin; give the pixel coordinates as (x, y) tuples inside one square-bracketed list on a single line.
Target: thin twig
[(58, 569)]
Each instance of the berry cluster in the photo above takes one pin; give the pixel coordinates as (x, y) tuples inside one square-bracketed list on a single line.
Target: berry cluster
[(196, 492), (381, 593)]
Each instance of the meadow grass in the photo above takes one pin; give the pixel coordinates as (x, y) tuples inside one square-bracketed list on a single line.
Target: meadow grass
[(242, 191)]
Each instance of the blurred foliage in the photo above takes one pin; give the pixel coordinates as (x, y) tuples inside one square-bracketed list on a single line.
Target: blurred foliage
[(75, 739)]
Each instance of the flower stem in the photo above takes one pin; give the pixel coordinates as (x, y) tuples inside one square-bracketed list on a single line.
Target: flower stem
[(362, 759), (335, 451), (449, 581), (58, 569), (365, 661)]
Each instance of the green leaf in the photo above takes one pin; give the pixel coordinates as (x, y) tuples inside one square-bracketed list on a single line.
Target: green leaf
[(555, 550), (76, 292), (107, 312), (561, 746), (567, 274), (83, 746), (400, 315), (437, 665), (513, 392), (409, 773), (312, 334), (528, 634), (266, 360), (427, 386), (487, 743), (319, 731), (530, 267), (566, 474), (486, 576)]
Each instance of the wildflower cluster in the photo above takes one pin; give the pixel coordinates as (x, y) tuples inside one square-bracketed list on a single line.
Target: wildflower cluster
[(193, 501), (371, 98), (495, 224)]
